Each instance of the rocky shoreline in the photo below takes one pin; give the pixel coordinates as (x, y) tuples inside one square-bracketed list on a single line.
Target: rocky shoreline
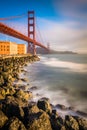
[(18, 112)]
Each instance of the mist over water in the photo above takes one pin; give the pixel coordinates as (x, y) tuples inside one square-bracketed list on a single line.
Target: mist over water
[(62, 78)]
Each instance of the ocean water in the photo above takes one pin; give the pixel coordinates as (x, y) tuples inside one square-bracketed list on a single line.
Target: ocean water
[(62, 78)]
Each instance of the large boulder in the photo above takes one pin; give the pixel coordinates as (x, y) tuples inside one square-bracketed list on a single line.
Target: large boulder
[(3, 119), (23, 94), (57, 123), (71, 123), (12, 108), (33, 109), (30, 113), (44, 104), (82, 123), (18, 101), (14, 124), (40, 121)]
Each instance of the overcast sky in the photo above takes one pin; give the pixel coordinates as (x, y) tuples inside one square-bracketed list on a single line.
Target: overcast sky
[(62, 23)]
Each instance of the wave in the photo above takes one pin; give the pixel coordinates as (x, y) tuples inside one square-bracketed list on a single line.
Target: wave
[(71, 66)]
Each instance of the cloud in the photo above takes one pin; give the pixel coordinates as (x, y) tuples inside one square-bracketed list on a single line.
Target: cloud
[(67, 35), (75, 9)]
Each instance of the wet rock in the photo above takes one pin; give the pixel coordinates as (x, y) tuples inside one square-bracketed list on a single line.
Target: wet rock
[(44, 105), (82, 123), (62, 107), (14, 124), (71, 123), (71, 108), (54, 113), (33, 88), (3, 119), (81, 113), (45, 99), (24, 80), (32, 103)]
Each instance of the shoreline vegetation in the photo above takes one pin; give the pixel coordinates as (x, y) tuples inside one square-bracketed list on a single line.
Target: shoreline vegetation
[(19, 112)]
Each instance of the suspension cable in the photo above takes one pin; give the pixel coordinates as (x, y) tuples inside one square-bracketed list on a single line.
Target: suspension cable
[(39, 32), (12, 17)]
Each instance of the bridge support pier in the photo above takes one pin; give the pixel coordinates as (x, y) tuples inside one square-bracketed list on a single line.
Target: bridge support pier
[(31, 32)]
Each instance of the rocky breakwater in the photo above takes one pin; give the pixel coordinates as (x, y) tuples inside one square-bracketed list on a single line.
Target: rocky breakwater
[(18, 112)]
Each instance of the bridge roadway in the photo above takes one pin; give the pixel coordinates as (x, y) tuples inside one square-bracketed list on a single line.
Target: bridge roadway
[(11, 32)]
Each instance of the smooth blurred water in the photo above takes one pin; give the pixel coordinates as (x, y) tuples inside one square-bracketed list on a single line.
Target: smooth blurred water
[(62, 78)]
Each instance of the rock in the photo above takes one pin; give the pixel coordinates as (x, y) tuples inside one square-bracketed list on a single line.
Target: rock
[(23, 87), (57, 123), (63, 128), (71, 123), (40, 122), (82, 123), (1, 80), (24, 80), (62, 107), (45, 98), (18, 101), (33, 88), (6, 91), (25, 95), (44, 105), (54, 113), (13, 109), (9, 90), (71, 108), (14, 124), (33, 109), (30, 112), (7, 77), (3, 119), (2, 93), (81, 113)]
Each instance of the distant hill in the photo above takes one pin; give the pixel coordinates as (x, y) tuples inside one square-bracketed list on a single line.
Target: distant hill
[(44, 51), (41, 50)]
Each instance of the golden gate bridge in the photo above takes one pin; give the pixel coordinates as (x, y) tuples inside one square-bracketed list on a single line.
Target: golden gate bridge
[(30, 38)]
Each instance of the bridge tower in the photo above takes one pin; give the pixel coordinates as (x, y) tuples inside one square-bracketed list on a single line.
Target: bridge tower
[(48, 46), (31, 31)]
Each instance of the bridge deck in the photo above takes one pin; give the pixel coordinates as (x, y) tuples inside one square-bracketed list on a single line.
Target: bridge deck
[(11, 32)]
